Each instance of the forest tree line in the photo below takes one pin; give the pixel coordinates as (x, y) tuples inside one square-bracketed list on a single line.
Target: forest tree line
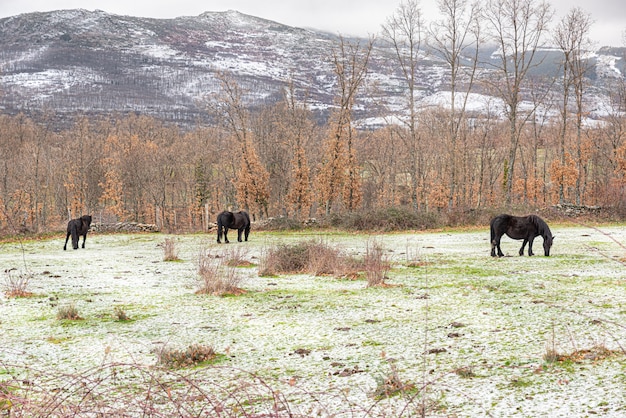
[(277, 160)]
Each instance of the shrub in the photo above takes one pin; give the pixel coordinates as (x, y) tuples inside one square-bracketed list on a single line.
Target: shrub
[(235, 256), (16, 284), (311, 256), (376, 264), (214, 278)]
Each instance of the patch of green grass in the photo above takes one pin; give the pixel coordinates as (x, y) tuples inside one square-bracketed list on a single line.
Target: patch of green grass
[(521, 383), (57, 340)]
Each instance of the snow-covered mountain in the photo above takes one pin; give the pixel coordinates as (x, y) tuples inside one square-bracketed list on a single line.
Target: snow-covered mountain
[(94, 63)]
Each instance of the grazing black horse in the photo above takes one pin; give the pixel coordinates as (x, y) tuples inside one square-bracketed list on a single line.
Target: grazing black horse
[(520, 227), (76, 228), (239, 221)]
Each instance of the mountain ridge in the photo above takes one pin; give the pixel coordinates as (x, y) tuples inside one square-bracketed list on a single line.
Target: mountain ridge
[(92, 62)]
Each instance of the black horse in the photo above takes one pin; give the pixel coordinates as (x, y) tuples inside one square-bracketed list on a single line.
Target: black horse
[(239, 221), (520, 227), (76, 228)]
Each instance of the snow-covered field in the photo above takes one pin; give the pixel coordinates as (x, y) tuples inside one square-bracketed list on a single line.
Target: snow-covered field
[(465, 333)]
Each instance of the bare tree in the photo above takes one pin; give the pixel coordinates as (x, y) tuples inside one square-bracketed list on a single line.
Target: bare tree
[(571, 36), (518, 28), (404, 30), (299, 132), (457, 38)]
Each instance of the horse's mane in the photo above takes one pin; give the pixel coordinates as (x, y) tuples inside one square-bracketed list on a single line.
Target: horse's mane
[(541, 225)]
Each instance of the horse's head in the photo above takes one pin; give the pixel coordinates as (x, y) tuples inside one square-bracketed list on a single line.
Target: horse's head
[(547, 243)]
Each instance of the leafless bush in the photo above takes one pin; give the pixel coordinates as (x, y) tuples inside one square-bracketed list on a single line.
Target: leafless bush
[(216, 279), (129, 390), (313, 256), (16, 283), (236, 256), (170, 252), (326, 260), (376, 264)]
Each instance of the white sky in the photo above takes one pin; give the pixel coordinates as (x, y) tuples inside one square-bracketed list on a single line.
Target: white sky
[(345, 17)]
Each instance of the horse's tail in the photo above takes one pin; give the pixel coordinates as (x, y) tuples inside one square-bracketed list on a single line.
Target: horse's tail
[(220, 227), (492, 231), (74, 231)]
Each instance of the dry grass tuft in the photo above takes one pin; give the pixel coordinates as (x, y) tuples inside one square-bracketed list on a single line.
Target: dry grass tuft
[(120, 314), (391, 384), (376, 264), (214, 278), (68, 312), (593, 354), (237, 256), (170, 252), (192, 356), (16, 284)]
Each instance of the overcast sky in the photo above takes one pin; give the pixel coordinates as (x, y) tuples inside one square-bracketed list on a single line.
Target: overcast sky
[(345, 17)]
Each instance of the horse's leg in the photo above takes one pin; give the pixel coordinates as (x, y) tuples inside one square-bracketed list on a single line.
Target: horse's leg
[(219, 234), (75, 238), (226, 235), (530, 246), (239, 231), (496, 244), (66, 239), (84, 239), (247, 232), (521, 250)]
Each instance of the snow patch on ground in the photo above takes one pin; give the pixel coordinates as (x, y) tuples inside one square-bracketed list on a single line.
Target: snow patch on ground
[(459, 309)]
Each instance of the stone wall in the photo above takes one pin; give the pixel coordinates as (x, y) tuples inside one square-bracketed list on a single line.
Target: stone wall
[(123, 227)]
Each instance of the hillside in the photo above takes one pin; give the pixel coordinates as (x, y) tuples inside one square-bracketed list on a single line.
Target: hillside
[(93, 63)]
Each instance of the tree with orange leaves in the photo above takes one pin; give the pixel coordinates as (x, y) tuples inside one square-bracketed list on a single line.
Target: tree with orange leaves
[(252, 179), (340, 171)]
